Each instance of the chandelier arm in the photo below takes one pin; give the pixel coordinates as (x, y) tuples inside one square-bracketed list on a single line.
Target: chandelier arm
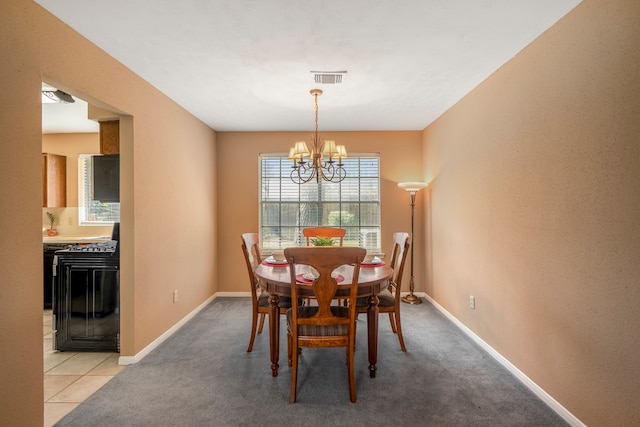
[(325, 174), (303, 173)]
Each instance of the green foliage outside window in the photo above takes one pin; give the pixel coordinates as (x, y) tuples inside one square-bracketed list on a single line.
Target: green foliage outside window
[(341, 219)]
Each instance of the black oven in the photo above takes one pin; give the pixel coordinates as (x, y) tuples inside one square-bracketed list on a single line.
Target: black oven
[(86, 297)]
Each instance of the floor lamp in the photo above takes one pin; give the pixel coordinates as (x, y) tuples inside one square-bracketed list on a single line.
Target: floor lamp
[(412, 188)]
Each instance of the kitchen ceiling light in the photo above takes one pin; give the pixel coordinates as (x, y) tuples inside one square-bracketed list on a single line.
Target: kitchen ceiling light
[(317, 165), (57, 96)]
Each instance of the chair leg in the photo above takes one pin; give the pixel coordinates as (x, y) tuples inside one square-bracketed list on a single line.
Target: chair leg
[(399, 328), (350, 369), (289, 350), (294, 371), (254, 324), (355, 332), (261, 323), (393, 323)]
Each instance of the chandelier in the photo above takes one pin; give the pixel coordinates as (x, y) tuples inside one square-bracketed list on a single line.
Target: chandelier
[(320, 162)]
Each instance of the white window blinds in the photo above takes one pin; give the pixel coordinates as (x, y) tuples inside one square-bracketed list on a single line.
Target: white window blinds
[(286, 208)]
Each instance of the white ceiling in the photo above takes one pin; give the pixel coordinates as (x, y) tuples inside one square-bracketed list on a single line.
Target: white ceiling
[(244, 65), (67, 118)]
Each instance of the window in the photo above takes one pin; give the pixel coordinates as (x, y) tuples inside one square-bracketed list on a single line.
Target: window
[(286, 208), (92, 212)]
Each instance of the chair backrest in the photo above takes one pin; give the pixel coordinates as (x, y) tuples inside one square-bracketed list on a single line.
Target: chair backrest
[(325, 260), (333, 232), (251, 252), (401, 243)]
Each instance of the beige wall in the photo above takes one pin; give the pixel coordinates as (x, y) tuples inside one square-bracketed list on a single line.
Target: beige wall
[(534, 209), (238, 190), (168, 179)]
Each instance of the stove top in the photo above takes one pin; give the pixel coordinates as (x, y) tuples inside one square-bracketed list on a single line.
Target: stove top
[(109, 247)]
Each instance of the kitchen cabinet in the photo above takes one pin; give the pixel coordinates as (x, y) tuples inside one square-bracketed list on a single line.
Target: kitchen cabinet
[(54, 180), (110, 137), (86, 312)]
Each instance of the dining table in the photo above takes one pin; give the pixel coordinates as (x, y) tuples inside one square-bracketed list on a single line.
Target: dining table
[(275, 278)]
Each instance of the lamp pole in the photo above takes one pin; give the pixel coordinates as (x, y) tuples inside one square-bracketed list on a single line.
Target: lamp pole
[(412, 188)]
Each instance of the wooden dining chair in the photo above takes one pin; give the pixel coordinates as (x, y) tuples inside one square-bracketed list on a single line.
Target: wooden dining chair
[(389, 300), (259, 299), (324, 324), (333, 232)]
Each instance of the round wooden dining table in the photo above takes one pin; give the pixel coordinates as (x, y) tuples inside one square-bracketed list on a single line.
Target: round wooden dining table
[(276, 279)]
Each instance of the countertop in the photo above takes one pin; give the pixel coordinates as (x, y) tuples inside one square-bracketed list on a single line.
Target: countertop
[(75, 239)]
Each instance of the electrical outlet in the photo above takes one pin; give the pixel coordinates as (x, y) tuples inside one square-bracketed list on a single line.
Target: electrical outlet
[(175, 296), (472, 302)]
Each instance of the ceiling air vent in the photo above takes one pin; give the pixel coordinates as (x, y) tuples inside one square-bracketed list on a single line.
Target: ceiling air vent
[(328, 77)]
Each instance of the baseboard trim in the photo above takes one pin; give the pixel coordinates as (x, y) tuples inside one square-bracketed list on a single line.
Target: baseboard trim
[(130, 360), (233, 294), (535, 388)]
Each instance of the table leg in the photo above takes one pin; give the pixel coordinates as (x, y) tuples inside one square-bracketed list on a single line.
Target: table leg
[(372, 331), (274, 332)]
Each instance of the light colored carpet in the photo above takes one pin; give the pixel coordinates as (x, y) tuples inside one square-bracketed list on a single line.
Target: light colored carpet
[(203, 376)]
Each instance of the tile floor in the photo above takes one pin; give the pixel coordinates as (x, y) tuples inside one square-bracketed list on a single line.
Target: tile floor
[(69, 378)]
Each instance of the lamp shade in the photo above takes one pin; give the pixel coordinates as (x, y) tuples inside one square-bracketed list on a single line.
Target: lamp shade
[(300, 149), (330, 149), (412, 187)]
